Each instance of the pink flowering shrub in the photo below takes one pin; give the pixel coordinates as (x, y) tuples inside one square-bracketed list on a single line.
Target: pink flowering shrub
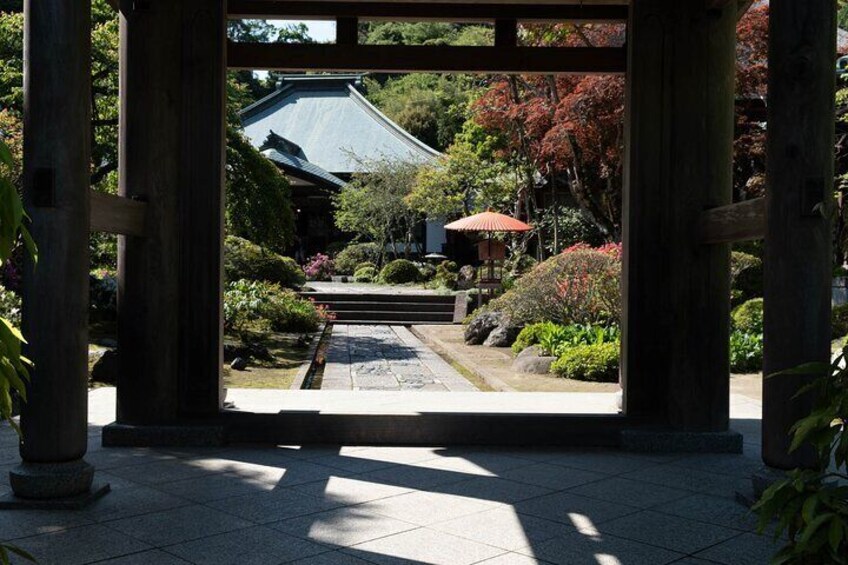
[(581, 285), (318, 268)]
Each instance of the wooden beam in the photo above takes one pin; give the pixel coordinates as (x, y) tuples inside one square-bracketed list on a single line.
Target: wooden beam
[(115, 214), (742, 221), (347, 31), (743, 7), (465, 12), (506, 33), (449, 59)]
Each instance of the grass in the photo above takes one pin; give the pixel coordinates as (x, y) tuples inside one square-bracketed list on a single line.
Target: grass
[(288, 356)]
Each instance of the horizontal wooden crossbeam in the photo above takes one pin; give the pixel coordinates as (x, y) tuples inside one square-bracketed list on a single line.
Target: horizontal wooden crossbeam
[(118, 215), (448, 59), (423, 11), (743, 221)]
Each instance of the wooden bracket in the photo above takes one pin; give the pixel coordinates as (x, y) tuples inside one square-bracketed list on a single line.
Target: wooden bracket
[(118, 215), (743, 221)]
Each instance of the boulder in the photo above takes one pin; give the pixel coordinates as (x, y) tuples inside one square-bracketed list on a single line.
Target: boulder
[(105, 369), (239, 364), (531, 361), (502, 336), (234, 348), (466, 278), (480, 327)]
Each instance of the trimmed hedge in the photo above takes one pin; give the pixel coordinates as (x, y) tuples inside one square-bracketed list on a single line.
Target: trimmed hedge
[(351, 258), (367, 274), (244, 259), (399, 271), (597, 363), (748, 317)]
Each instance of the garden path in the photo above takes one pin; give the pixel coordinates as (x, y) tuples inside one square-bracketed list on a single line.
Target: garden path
[(383, 358)]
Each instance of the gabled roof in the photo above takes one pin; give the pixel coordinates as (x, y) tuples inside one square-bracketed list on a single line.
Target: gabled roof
[(304, 170), (332, 123)]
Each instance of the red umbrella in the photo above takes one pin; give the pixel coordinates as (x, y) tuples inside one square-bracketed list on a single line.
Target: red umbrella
[(488, 222)]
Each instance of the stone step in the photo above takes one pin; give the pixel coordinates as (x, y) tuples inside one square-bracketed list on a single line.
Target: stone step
[(391, 323), (357, 306), (322, 297), (409, 317)]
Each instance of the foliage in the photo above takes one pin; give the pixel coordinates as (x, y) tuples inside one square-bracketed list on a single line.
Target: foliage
[(364, 265), (14, 367), (839, 321), (258, 196), (746, 352), (746, 276), (597, 363), (373, 206), (530, 335), (103, 295), (447, 274), (563, 226), (10, 306), (810, 506), (426, 271), (580, 285), (459, 183), (426, 33), (555, 339), (319, 268), (259, 306), (244, 259), (748, 317), (367, 274), (399, 271), (349, 260)]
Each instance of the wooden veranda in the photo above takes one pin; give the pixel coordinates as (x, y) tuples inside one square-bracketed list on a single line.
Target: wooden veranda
[(679, 218)]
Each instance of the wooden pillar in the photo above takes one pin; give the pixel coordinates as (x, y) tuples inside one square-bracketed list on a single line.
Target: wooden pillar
[(54, 421), (678, 162), (148, 268), (802, 53), (201, 205)]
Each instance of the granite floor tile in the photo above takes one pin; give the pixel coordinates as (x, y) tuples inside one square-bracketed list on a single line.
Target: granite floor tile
[(209, 488), (712, 510), (632, 493), (574, 510), (423, 508), (135, 501), (423, 546), (151, 557), (550, 476), (578, 549), (677, 534), (331, 558), (493, 489), (350, 490), (85, 544), (275, 506), (503, 528), (252, 546), (691, 479), (16, 524), (343, 527), (745, 549), (178, 525)]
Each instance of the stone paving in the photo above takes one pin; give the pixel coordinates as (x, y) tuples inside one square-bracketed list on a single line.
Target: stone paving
[(360, 505), (384, 358)]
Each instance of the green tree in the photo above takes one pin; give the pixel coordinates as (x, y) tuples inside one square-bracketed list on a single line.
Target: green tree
[(373, 205)]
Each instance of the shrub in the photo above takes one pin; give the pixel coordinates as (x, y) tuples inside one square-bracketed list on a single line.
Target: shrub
[(580, 285), (447, 274), (466, 277), (530, 335), (365, 275), (839, 321), (351, 258), (102, 295), (260, 307), (555, 339), (746, 352), (319, 268), (746, 277), (748, 317), (365, 264), (426, 271), (399, 271), (10, 306), (598, 363), (244, 259)]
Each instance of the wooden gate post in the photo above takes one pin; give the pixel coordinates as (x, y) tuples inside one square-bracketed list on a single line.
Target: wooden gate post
[(678, 162), (54, 420), (801, 105)]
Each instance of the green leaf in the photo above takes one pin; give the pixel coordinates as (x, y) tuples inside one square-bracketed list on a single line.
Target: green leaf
[(5, 154), (809, 509), (835, 534), (817, 523)]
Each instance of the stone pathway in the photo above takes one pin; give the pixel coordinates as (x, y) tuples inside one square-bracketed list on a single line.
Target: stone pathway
[(383, 358)]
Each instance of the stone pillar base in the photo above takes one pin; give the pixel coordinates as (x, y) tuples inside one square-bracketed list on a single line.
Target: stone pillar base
[(52, 482)]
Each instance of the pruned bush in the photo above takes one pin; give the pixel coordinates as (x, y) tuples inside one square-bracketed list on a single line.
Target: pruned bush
[(351, 258), (364, 265), (746, 277), (426, 271), (746, 352), (748, 317), (597, 363), (258, 306), (319, 268), (10, 306), (367, 274), (839, 321), (244, 259), (399, 271), (447, 274), (580, 285)]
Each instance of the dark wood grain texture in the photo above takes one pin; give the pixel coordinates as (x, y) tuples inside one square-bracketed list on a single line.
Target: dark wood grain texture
[(678, 162), (436, 58), (743, 221), (118, 215), (55, 293), (799, 176)]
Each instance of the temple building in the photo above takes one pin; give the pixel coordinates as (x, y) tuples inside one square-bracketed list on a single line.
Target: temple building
[(320, 130)]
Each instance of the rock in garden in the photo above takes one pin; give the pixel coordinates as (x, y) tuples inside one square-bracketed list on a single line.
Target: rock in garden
[(239, 364), (531, 361), (105, 369), (480, 327), (502, 336)]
